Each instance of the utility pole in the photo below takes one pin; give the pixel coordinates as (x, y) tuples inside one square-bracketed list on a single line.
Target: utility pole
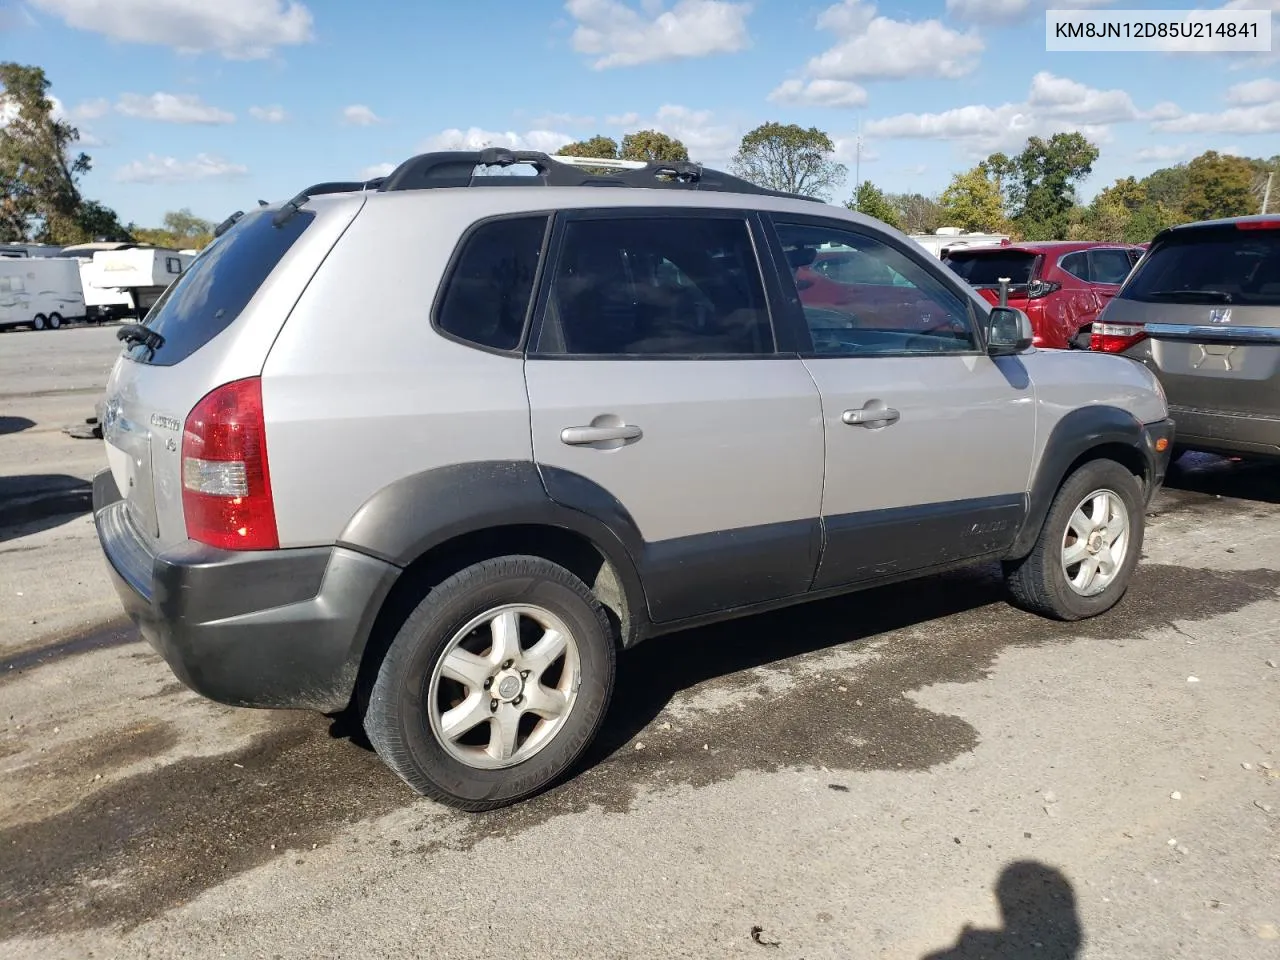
[(857, 168), (1266, 192)]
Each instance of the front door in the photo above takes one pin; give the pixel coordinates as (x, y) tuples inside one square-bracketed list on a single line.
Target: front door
[(656, 391), (929, 440)]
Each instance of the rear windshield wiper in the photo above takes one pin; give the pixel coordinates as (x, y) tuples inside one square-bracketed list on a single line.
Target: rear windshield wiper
[(1200, 296), (132, 333)]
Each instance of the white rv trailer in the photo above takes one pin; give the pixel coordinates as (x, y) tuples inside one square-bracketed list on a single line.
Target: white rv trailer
[(131, 277), (40, 292), (952, 238), (30, 250)]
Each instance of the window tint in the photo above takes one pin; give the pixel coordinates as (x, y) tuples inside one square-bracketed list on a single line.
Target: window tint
[(674, 286), (889, 303), (985, 269), (1108, 266), (487, 297), (1211, 266), (1076, 264), (204, 301)]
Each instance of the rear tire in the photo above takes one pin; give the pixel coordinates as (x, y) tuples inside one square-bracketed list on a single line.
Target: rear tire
[(38, 322), (55, 321), (452, 684), (1096, 521)]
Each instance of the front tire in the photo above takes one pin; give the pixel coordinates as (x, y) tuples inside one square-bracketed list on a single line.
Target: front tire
[(38, 322), (1083, 560), (494, 685), (55, 321)]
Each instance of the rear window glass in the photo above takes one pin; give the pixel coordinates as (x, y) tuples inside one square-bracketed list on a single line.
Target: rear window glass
[(1211, 266), (206, 299), (985, 269)]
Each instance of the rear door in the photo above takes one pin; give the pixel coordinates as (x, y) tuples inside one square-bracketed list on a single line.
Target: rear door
[(657, 392), (1108, 269), (1208, 299), (928, 439)]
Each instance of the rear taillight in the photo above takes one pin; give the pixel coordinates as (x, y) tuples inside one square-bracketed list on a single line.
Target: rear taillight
[(1115, 337), (226, 486), (1041, 288)]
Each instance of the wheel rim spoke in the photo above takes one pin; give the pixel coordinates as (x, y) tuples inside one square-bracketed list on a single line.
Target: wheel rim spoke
[(546, 702), (503, 733), (466, 668), (1075, 553), (466, 716), (505, 628), (1081, 523), (544, 653)]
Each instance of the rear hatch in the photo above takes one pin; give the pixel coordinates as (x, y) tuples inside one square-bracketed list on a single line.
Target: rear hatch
[(983, 268), (213, 325), (1203, 310)]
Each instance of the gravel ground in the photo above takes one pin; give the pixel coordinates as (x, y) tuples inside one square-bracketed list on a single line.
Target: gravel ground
[(918, 771)]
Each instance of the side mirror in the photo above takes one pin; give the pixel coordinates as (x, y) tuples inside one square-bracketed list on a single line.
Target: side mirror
[(1008, 332)]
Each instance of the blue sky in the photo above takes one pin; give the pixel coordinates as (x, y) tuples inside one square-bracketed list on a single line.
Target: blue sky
[(213, 104)]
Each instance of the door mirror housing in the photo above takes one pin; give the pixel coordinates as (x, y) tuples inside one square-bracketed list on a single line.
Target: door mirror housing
[(1008, 332)]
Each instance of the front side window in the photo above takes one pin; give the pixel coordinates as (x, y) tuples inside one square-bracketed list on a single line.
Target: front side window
[(862, 296), (486, 297), (656, 286)]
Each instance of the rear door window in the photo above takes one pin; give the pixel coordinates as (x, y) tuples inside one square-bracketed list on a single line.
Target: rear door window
[(208, 297), (985, 269), (1076, 264), (1216, 265), (1108, 266)]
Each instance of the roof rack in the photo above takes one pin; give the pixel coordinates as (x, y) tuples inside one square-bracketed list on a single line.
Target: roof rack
[(468, 168)]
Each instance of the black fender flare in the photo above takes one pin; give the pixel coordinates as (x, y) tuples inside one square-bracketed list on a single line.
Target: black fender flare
[(1080, 431), (415, 514)]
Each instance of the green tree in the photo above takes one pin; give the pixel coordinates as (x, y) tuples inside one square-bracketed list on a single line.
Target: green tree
[(1167, 186), (651, 145), (972, 201), (1218, 186), (599, 146), (917, 213), (872, 201), (789, 158), (39, 171), (1041, 182)]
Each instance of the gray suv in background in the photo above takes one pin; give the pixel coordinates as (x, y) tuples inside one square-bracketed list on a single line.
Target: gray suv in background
[(439, 446), (1202, 310)]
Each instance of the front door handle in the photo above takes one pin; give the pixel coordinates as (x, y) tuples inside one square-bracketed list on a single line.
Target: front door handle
[(582, 436), (871, 416)]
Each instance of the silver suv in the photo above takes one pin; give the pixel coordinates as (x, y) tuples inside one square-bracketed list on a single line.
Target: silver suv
[(439, 446), (1202, 310)]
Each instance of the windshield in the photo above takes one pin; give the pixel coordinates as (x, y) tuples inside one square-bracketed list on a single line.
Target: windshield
[(1218, 265), (979, 268), (206, 299)]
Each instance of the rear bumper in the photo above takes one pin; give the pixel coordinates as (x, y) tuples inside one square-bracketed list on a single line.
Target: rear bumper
[(277, 628), (1221, 432)]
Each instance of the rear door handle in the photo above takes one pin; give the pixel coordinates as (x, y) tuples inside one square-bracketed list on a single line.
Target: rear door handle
[(582, 436), (871, 416)]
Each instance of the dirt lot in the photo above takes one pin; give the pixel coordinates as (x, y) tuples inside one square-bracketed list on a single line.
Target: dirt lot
[(862, 778)]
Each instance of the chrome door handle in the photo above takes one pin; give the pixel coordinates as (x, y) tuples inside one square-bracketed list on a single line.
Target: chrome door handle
[(581, 436), (868, 416)]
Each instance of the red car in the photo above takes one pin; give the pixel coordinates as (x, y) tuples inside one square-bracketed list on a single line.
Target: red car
[(1061, 285)]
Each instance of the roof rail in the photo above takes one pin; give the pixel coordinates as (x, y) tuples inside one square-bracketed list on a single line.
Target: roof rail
[(465, 168)]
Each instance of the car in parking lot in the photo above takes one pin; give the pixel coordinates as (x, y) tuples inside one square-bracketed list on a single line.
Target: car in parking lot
[(1202, 311), (1062, 285), (548, 422)]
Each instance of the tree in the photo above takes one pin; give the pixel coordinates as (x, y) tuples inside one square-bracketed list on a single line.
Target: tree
[(1040, 182), (599, 146), (789, 158), (872, 201), (917, 213), (39, 173), (1218, 186), (972, 201), (651, 145)]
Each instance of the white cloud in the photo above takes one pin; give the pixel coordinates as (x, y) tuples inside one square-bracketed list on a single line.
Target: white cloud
[(1161, 153), (359, 115), (622, 119), (91, 109), (377, 170), (617, 35), (1054, 104), (1263, 90), (846, 150), (268, 114), (1255, 119), (987, 13), (1164, 110), (88, 139), (820, 93), (171, 108), (475, 138), (708, 142), (155, 169), (235, 29), (875, 47)]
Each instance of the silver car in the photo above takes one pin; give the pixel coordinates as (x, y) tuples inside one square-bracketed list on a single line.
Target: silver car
[(438, 447), (1202, 311)]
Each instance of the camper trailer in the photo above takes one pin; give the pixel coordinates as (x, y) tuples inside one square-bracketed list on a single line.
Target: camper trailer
[(40, 292), (953, 238), (127, 279)]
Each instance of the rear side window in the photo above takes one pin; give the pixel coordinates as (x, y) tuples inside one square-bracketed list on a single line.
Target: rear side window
[(205, 300), (985, 269), (1109, 266), (1211, 266), (486, 297), (1076, 264), (657, 286)]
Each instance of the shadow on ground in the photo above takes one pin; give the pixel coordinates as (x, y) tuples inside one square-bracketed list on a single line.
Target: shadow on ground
[(30, 503), (1216, 476), (15, 425)]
